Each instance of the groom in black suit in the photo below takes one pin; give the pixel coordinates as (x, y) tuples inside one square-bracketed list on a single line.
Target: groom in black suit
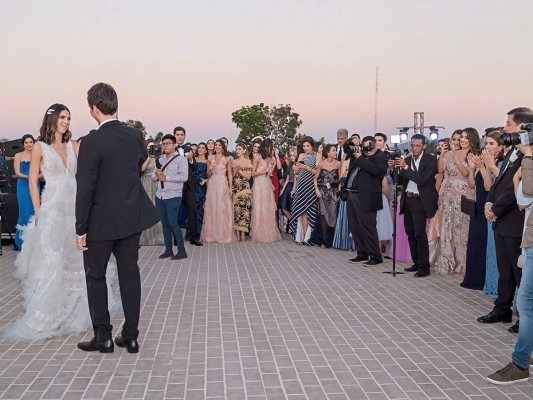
[(419, 200), (189, 187), (112, 209)]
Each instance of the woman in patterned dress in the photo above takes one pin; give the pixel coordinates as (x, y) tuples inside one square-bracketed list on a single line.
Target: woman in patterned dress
[(305, 201), (453, 238), (242, 195), (326, 188)]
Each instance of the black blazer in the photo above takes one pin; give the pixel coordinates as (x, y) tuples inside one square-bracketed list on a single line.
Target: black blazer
[(425, 182), (189, 183), (111, 202), (368, 181), (510, 220), (339, 158)]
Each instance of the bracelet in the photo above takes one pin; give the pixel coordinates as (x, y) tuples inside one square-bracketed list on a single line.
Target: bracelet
[(528, 157)]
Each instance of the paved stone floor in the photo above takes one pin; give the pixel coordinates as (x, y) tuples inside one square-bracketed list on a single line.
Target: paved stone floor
[(276, 321)]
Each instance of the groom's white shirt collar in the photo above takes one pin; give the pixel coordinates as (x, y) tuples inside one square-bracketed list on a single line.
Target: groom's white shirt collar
[(106, 121)]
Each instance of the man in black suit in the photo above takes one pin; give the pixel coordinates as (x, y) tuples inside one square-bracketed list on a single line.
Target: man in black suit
[(419, 200), (112, 209), (342, 135), (189, 188), (508, 223), (366, 171)]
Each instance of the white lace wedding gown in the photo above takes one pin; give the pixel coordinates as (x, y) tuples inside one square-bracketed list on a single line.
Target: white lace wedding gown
[(50, 265)]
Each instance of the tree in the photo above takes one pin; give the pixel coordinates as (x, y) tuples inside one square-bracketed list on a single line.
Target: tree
[(284, 123), (138, 125), (252, 121), (158, 137), (279, 123)]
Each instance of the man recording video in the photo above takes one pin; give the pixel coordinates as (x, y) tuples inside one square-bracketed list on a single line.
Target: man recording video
[(419, 200), (367, 168)]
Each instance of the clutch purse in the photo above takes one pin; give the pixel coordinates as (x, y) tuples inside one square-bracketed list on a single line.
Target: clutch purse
[(468, 206)]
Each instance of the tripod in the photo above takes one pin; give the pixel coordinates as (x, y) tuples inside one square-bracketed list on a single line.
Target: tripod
[(394, 208)]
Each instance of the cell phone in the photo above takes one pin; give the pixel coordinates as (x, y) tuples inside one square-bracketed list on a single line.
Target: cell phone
[(301, 162)]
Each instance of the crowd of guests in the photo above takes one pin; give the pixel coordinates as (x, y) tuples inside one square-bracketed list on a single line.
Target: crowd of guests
[(457, 210)]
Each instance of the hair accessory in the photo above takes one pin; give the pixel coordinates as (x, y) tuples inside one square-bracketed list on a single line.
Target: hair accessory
[(50, 111)]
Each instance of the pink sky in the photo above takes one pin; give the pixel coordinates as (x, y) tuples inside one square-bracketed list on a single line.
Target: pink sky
[(462, 63)]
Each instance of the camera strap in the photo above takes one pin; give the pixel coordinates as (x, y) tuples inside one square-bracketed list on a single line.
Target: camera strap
[(169, 161)]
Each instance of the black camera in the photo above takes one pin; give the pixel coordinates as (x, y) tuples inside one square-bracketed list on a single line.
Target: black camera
[(155, 150), (395, 152), (525, 136), (349, 149)]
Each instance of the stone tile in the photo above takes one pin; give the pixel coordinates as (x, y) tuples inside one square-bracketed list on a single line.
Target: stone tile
[(273, 321)]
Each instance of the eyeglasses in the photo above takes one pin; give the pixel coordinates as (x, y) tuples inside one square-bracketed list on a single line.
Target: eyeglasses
[(167, 143)]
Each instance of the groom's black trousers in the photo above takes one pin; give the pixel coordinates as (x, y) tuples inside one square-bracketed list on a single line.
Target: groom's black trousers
[(126, 252)]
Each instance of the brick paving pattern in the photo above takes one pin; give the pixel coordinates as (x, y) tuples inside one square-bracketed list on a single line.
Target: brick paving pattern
[(273, 321)]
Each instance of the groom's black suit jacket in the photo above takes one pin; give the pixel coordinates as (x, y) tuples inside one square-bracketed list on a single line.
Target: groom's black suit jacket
[(111, 202), (189, 183)]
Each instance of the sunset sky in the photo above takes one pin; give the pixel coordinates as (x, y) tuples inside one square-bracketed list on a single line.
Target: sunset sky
[(463, 63)]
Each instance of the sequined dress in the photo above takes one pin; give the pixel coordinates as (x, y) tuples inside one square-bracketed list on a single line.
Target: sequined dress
[(453, 238), (218, 211), (242, 201), (264, 228), (50, 265)]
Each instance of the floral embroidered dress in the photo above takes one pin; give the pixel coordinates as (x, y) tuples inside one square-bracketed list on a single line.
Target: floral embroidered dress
[(242, 201), (453, 238)]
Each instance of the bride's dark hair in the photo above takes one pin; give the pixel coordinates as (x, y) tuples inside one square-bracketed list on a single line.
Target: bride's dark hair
[(49, 125)]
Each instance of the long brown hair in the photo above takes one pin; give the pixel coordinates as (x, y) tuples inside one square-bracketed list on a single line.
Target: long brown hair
[(473, 140), (49, 125)]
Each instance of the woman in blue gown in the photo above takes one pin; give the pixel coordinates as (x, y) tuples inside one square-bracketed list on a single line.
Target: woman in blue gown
[(21, 165), (200, 180), (477, 234), (492, 150)]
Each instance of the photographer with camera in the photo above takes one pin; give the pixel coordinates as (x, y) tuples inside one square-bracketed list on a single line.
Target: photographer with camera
[(419, 200), (518, 369), (508, 221), (367, 168)]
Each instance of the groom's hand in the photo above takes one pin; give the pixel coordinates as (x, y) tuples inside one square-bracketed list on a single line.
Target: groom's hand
[(81, 242)]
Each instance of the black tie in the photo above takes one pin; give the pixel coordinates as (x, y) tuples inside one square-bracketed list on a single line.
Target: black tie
[(414, 163)]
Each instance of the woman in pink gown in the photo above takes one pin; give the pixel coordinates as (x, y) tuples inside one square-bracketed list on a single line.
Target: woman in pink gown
[(403, 252), (264, 227), (218, 209)]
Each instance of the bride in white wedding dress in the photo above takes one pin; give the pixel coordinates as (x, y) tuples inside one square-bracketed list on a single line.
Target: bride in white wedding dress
[(50, 265)]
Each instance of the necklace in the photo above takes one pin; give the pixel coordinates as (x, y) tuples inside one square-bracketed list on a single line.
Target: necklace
[(26, 154), (333, 162)]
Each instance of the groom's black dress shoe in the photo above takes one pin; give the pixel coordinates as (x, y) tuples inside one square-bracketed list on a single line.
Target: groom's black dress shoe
[(412, 268), (421, 274), (131, 345), (103, 346), (166, 254), (492, 318), (196, 243)]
